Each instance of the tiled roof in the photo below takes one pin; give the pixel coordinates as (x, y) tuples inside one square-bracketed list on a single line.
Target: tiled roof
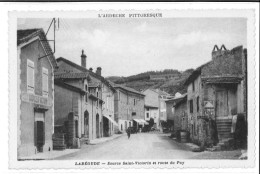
[(70, 75), (125, 88), (59, 82), (24, 36), (221, 79), (178, 100), (150, 106), (93, 84), (81, 68)]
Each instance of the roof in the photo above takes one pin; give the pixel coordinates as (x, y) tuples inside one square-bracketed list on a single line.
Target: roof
[(150, 106), (70, 75), (93, 85), (81, 68), (221, 79), (177, 99), (125, 88), (24, 36), (59, 82), (195, 74)]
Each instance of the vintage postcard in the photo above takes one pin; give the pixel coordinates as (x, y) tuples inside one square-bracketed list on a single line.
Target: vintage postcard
[(132, 89)]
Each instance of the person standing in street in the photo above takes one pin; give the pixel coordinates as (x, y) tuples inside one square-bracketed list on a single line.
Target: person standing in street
[(128, 131)]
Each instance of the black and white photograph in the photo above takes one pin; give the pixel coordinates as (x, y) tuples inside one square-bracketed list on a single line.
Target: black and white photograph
[(150, 88)]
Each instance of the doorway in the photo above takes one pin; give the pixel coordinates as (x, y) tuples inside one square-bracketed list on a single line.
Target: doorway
[(39, 131), (86, 124), (222, 103), (97, 126)]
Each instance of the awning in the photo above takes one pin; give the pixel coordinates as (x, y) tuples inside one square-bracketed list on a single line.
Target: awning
[(110, 119), (141, 121)]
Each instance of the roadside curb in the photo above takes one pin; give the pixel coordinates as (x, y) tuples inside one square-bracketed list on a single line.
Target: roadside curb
[(106, 140)]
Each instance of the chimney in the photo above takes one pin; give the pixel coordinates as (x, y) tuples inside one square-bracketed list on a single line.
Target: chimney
[(90, 69), (216, 52), (98, 71), (83, 59)]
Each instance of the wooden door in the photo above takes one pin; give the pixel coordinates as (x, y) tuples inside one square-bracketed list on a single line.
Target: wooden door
[(222, 103)]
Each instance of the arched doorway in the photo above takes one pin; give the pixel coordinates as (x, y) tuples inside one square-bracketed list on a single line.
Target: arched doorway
[(97, 126), (86, 124)]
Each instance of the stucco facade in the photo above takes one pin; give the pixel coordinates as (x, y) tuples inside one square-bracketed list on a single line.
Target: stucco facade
[(35, 91)]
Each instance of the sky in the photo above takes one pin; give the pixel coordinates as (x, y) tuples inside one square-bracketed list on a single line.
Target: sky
[(128, 46)]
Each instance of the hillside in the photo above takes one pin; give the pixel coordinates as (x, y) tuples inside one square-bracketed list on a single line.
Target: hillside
[(168, 80)]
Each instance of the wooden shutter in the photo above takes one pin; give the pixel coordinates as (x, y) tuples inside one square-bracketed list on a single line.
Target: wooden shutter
[(45, 90), (30, 76)]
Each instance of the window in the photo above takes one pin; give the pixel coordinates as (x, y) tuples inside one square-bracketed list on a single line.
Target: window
[(191, 106), (147, 109), (30, 76), (86, 96), (134, 101), (147, 115), (45, 82), (193, 86), (173, 108), (198, 104)]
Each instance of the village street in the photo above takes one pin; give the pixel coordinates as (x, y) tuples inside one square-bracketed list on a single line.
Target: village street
[(143, 146)]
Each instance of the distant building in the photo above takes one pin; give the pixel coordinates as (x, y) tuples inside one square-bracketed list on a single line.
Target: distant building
[(216, 95), (156, 98), (36, 65), (129, 108), (176, 109)]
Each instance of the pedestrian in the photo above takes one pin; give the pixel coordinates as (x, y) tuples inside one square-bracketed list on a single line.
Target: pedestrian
[(128, 131)]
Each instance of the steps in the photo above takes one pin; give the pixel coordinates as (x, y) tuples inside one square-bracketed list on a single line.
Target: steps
[(58, 141), (226, 140), (224, 129)]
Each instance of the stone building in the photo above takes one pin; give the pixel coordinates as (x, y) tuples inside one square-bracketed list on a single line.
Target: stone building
[(36, 65), (129, 108), (216, 95), (91, 117), (70, 98), (176, 109)]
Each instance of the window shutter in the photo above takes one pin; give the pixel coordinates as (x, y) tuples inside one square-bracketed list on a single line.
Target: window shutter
[(45, 82), (30, 76)]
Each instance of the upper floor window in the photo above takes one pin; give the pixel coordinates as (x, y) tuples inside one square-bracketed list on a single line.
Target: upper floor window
[(193, 86), (191, 106), (173, 108), (86, 96), (147, 109), (134, 101), (147, 115), (30, 76), (45, 82), (198, 104)]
